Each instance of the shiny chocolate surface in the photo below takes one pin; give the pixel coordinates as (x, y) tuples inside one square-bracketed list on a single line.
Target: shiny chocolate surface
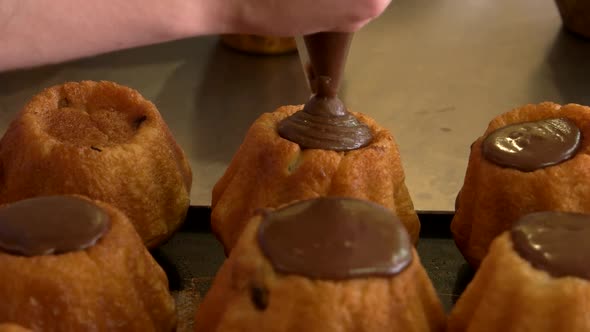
[(335, 238), (556, 242), (529, 146), (51, 225)]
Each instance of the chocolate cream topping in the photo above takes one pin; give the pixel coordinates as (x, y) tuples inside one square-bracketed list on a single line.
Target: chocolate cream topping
[(324, 123), (556, 242), (335, 238), (529, 146), (51, 225)]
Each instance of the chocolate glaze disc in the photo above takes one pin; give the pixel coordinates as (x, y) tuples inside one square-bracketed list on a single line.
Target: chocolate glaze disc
[(51, 225), (335, 238), (556, 242), (529, 146)]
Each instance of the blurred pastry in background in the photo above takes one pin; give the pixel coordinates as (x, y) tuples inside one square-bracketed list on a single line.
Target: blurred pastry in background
[(104, 141), (533, 158), (260, 44)]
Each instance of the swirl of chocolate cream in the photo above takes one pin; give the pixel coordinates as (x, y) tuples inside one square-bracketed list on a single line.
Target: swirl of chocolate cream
[(324, 123), (335, 238), (51, 225), (529, 146), (555, 242)]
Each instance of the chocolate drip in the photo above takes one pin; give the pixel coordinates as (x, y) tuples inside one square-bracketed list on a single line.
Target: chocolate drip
[(555, 242), (327, 54), (529, 146), (51, 225), (324, 123), (335, 238)]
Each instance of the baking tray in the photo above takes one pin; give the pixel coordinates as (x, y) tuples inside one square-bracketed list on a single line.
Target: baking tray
[(191, 259)]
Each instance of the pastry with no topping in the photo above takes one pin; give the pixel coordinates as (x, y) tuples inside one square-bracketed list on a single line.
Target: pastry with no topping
[(104, 141)]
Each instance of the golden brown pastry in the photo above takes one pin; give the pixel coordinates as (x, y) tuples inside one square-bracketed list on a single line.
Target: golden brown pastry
[(9, 327), (269, 171), (72, 264), (100, 140), (535, 278), (260, 44), (530, 159), (327, 264)]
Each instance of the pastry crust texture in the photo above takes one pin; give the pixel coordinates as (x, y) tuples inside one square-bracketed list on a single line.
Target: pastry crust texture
[(508, 294), (248, 295), (268, 171), (494, 197), (103, 141), (9, 327), (114, 285)]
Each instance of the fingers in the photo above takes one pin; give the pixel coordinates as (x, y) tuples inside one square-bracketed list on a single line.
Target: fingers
[(365, 13), (376, 8), (290, 18)]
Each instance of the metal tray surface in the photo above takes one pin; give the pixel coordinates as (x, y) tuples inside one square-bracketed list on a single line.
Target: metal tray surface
[(192, 257)]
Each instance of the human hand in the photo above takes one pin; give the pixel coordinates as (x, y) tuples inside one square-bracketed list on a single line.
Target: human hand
[(301, 17), (110, 25)]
